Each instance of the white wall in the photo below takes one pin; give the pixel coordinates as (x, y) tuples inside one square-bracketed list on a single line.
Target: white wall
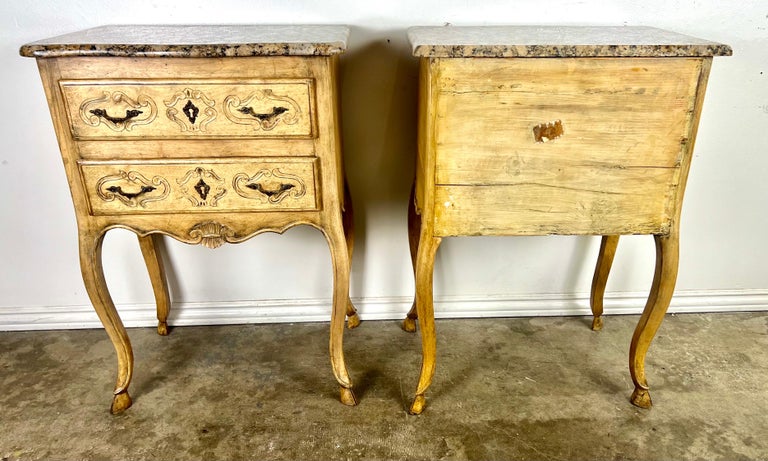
[(723, 254)]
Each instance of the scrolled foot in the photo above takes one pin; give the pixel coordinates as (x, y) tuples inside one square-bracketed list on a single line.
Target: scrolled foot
[(418, 405), (120, 403), (641, 398), (409, 325), (162, 328), (353, 321), (348, 397), (597, 323)]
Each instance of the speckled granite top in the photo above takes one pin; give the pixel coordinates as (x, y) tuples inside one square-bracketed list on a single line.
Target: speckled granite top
[(557, 42), (194, 41)]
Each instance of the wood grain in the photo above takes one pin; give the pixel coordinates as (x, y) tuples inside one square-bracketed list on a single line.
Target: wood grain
[(542, 209), (625, 127)]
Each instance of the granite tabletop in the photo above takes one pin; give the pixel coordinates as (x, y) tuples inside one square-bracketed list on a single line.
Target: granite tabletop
[(557, 42), (193, 41)]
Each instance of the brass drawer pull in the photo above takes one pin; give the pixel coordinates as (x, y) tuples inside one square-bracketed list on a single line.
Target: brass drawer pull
[(129, 195), (270, 193), (129, 114), (272, 184), (275, 112), (110, 187)]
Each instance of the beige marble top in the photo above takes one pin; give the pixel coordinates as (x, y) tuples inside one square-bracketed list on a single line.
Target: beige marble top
[(193, 41), (557, 41)]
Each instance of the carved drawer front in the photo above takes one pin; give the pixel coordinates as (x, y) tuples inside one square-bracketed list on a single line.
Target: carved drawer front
[(561, 146), (170, 187), (189, 109)]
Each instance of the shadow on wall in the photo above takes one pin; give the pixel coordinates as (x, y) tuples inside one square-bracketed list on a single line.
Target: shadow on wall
[(379, 102), (379, 106), (379, 132)]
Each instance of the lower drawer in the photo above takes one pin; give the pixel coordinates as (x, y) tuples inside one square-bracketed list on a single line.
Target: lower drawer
[(215, 186)]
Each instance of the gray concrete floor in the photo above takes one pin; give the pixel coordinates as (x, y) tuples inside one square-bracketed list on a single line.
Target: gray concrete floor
[(538, 388)]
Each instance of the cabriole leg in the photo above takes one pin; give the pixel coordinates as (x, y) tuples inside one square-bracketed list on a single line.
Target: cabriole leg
[(340, 260), (149, 249), (608, 246), (414, 231), (425, 264), (347, 217), (96, 286), (664, 278)]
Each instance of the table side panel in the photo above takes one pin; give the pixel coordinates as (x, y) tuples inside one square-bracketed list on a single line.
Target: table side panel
[(611, 133)]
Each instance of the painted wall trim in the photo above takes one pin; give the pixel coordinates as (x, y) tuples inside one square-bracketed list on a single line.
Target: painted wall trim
[(318, 310)]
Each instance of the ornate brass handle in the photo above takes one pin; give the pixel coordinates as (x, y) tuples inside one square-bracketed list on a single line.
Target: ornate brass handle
[(275, 112), (270, 193), (130, 195), (129, 114)]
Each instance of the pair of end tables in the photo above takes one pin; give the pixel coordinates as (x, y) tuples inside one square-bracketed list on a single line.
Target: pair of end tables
[(214, 134)]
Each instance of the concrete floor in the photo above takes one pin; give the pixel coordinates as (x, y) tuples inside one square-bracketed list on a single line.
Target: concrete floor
[(539, 388)]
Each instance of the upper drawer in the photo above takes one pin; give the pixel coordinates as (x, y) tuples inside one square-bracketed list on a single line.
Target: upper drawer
[(131, 109)]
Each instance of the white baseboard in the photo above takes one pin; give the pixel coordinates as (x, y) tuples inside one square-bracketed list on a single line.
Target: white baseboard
[(318, 310)]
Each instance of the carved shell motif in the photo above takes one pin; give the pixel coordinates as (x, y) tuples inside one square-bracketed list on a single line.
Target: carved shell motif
[(263, 110), (211, 234)]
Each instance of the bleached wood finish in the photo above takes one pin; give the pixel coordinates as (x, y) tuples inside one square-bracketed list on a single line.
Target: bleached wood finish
[(539, 139), (624, 123), (204, 174)]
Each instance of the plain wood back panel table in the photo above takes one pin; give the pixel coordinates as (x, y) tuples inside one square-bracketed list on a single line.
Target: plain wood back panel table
[(555, 130), (208, 134)]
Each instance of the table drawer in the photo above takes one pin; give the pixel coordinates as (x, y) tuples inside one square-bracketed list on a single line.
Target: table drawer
[(108, 109), (208, 186)]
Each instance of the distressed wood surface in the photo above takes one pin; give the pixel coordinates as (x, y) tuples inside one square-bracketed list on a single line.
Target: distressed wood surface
[(525, 209), (623, 124)]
